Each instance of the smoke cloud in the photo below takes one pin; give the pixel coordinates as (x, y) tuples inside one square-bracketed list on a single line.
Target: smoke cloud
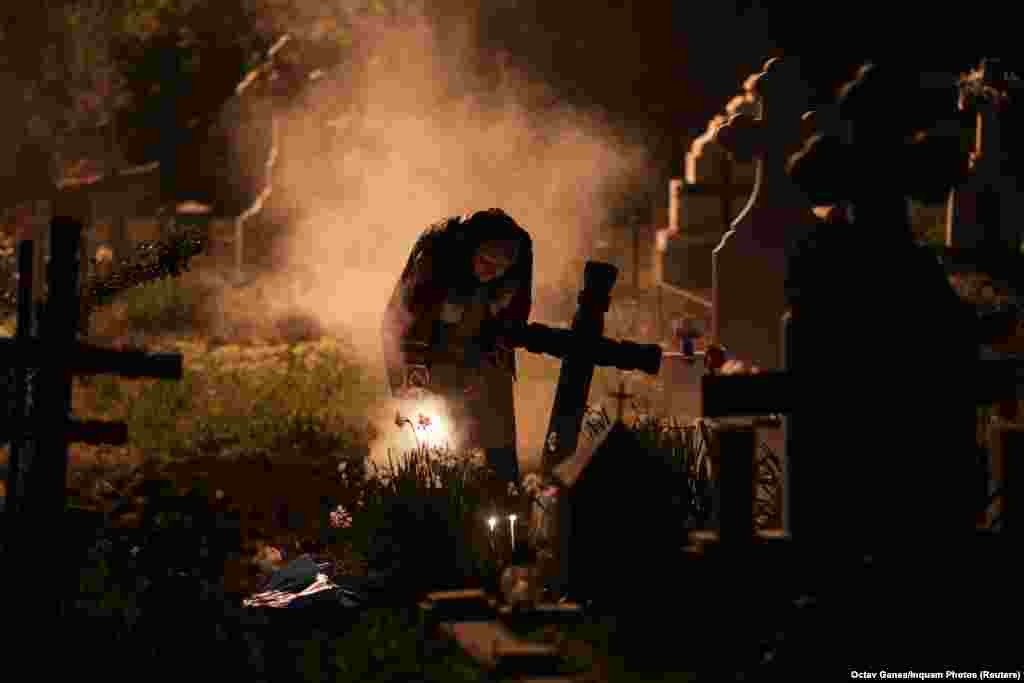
[(418, 131)]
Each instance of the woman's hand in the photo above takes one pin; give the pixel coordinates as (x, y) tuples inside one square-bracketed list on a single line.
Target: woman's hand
[(417, 381)]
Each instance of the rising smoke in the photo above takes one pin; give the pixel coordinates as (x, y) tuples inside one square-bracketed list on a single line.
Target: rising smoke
[(416, 133)]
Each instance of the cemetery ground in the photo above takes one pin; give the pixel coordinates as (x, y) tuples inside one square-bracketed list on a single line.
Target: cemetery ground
[(243, 461), (235, 470)]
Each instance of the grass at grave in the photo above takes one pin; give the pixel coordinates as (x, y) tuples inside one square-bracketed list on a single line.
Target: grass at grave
[(162, 305)]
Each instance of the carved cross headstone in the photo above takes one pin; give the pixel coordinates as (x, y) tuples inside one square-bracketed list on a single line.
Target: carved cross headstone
[(702, 204), (748, 265), (918, 484)]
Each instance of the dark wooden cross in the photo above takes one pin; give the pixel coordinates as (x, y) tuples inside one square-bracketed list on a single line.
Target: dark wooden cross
[(588, 349), (581, 351), (45, 362)]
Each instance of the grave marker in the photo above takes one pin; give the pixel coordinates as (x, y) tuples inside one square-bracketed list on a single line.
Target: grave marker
[(35, 517), (749, 264), (781, 392), (844, 484)]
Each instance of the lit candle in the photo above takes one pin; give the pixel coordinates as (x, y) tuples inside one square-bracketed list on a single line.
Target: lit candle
[(491, 523), (512, 530)]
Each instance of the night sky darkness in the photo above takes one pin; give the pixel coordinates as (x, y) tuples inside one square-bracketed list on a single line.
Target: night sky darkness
[(662, 69)]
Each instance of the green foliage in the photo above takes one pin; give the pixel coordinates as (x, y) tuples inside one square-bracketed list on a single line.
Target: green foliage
[(429, 503), (107, 392), (152, 262), (312, 402), (161, 306)]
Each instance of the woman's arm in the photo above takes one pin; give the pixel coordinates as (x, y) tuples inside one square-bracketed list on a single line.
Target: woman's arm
[(410, 313)]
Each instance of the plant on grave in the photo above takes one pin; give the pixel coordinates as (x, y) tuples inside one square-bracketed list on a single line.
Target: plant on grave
[(164, 305), (312, 403), (421, 519)]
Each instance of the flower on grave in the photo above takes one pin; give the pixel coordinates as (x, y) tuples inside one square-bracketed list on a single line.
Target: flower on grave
[(341, 518)]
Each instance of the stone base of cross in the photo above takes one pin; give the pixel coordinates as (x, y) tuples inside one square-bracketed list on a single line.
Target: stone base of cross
[(778, 392)]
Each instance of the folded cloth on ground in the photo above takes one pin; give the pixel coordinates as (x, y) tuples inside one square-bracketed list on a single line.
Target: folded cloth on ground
[(295, 576), (305, 581)]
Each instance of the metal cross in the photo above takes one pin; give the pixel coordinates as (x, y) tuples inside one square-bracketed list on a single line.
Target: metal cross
[(620, 397)]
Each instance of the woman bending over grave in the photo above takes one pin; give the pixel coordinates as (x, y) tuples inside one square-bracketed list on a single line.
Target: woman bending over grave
[(464, 274)]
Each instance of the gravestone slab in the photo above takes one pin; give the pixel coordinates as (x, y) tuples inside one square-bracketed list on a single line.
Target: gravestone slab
[(611, 483), (749, 264)]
